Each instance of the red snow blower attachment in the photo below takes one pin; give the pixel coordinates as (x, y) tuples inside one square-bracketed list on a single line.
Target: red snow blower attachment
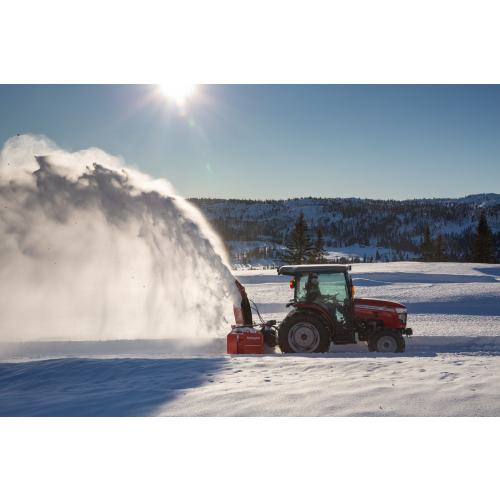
[(246, 337)]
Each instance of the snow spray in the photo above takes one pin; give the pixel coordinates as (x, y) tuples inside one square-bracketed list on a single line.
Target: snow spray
[(91, 249)]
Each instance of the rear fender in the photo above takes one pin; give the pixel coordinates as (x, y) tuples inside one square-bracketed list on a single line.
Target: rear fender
[(308, 305)]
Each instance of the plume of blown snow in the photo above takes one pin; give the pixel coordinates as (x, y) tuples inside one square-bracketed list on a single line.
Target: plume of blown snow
[(91, 249)]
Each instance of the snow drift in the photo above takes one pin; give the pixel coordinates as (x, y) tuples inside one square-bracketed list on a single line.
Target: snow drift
[(91, 249)]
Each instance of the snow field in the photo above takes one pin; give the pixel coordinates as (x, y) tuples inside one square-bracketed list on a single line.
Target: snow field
[(444, 385), (451, 366), (347, 384)]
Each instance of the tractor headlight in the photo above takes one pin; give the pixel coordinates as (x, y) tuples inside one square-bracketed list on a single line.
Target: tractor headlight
[(402, 315)]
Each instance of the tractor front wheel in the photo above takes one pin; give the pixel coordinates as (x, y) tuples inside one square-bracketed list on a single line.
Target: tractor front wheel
[(387, 341), (304, 331)]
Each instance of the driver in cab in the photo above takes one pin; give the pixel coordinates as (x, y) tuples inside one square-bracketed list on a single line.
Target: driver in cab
[(313, 289), (328, 302), (315, 295)]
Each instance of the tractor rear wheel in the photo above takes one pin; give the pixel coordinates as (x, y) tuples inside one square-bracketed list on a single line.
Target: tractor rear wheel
[(304, 331), (387, 341)]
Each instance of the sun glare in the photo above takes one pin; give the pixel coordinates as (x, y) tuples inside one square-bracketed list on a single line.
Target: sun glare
[(178, 91)]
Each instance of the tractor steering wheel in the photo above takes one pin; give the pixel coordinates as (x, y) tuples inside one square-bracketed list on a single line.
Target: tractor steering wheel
[(332, 299)]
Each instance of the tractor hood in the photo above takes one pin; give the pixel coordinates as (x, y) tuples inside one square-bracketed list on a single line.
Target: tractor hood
[(377, 304)]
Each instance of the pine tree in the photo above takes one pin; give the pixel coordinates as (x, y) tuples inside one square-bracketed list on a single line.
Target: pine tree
[(377, 257), (318, 253), (427, 247), (299, 244), (440, 250), (484, 250)]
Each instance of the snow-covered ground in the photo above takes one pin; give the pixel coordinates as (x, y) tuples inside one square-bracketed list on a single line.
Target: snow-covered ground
[(451, 366), (347, 384)]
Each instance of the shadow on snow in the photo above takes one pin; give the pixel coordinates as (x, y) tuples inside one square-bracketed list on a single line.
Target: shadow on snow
[(99, 387)]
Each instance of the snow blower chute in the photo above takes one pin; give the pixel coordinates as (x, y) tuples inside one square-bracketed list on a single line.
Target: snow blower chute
[(245, 338)]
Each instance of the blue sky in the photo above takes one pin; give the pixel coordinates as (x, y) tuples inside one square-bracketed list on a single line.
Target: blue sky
[(279, 141)]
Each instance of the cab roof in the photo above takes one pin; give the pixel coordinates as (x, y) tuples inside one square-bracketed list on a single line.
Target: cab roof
[(313, 268)]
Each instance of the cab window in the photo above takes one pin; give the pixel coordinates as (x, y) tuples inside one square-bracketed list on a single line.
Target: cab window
[(333, 285)]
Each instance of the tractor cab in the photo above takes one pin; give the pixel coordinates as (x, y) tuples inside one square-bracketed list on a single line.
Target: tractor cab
[(326, 289)]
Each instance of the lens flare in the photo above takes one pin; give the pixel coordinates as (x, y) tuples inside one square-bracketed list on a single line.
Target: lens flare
[(178, 91)]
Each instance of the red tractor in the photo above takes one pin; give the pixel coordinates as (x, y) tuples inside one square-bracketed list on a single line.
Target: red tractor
[(325, 311)]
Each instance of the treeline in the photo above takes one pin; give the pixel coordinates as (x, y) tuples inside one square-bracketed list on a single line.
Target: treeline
[(484, 249)]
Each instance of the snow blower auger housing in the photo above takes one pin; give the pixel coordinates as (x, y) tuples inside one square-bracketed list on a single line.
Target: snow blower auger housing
[(325, 311), (246, 337)]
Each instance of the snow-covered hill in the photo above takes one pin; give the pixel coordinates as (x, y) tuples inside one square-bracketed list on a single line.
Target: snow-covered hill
[(393, 227)]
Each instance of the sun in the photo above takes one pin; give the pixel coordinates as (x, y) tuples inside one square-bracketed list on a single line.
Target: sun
[(178, 91)]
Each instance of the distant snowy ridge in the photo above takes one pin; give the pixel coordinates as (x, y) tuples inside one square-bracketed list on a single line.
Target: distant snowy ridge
[(483, 200), (352, 222)]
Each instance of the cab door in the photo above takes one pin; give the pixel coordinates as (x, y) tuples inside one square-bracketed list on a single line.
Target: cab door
[(332, 292)]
